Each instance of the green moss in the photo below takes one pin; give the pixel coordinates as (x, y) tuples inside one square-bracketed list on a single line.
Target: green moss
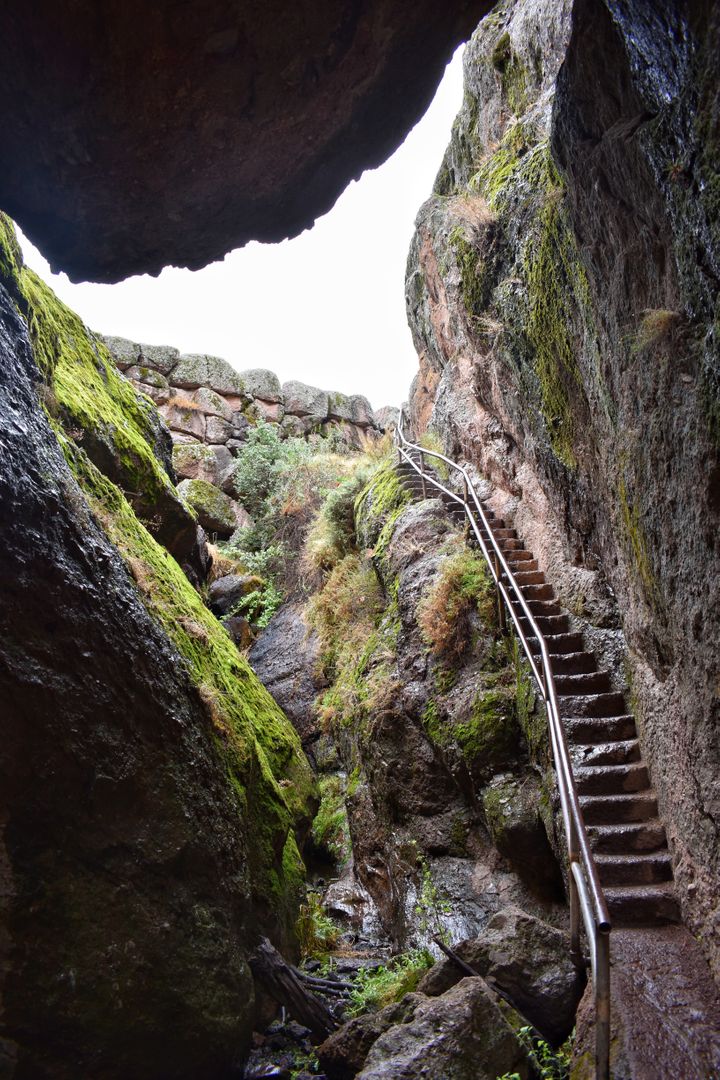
[(529, 710), (513, 74), (265, 764), (378, 507), (636, 541), (11, 260), (489, 738), (330, 829), (476, 279)]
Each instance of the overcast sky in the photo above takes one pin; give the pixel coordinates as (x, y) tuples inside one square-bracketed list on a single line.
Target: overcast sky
[(327, 308)]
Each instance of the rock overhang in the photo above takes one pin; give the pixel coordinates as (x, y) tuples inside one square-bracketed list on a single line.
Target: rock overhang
[(139, 137)]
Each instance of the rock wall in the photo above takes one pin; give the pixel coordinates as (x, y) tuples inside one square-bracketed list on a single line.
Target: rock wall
[(153, 796), (562, 291), (209, 408)]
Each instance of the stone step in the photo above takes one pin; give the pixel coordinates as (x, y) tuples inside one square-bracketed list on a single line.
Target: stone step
[(523, 566), (548, 625), (610, 704), (536, 591), (612, 779), (574, 663), (615, 809), (558, 644), (590, 682), (529, 577), (627, 837), (520, 558), (635, 868), (632, 905), (540, 607), (514, 545), (599, 729), (500, 532), (624, 752)]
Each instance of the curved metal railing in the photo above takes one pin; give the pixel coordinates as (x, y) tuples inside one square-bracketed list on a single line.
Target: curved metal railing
[(587, 902)]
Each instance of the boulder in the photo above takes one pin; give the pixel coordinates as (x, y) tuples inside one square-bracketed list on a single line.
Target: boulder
[(225, 592), (181, 414), (295, 426), (161, 357), (211, 403), (339, 407), (303, 400), (461, 1035), (285, 659), (261, 383), (218, 430), (271, 412), (147, 376), (239, 630), (361, 411), (125, 353), (387, 417), (195, 461), (196, 369), (343, 1054), (215, 511), (530, 961)]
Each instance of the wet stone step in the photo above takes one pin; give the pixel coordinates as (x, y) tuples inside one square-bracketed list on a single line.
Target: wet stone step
[(634, 869), (573, 663), (624, 752), (632, 905), (592, 729), (633, 836), (529, 577), (612, 779), (594, 682), (612, 704), (614, 809)]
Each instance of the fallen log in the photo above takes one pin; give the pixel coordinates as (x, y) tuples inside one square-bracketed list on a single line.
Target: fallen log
[(280, 980)]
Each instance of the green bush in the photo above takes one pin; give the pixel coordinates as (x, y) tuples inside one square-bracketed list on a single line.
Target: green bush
[(373, 990)]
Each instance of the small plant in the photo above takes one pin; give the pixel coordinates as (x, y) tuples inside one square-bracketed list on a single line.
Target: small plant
[(462, 586), (186, 404), (430, 440), (431, 905), (549, 1064), (374, 990), (330, 829), (317, 934)]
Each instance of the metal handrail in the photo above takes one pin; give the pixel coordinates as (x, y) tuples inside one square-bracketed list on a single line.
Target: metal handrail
[(587, 901)]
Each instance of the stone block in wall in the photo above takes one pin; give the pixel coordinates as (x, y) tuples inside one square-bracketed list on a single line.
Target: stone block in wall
[(182, 414), (159, 394), (223, 457), (125, 353), (211, 403), (197, 369), (217, 430), (183, 440), (339, 407), (141, 374), (271, 412), (387, 417), (361, 411), (296, 426), (161, 357), (195, 461), (261, 383), (303, 400)]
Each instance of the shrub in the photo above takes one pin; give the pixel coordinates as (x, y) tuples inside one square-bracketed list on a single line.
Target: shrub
[(330, 829), (317, 934), (462, 586), (375, 989)]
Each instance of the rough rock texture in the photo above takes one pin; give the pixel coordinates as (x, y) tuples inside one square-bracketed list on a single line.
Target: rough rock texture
[(425, 736), (343, 1055), (254, 118), (216, 512), (563, 295), (530, 961), (462, 1035), (225, 592), (285, 659), (146, 838)]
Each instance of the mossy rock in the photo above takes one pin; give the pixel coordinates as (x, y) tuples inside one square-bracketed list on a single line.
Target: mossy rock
[(216, 512), (513, 814), (196, 369)]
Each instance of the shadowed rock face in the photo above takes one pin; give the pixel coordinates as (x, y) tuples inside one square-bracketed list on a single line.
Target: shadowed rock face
[(146, 135)]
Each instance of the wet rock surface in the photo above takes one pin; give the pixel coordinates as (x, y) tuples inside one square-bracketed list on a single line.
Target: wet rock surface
[(530, 961), (562, 293)]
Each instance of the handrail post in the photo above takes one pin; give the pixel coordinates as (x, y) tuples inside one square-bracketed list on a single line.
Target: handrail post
[(422, 474), (575, 915), (602, 1005), (502, 624)]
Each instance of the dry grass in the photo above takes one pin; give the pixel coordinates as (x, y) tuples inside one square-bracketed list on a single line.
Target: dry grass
[(222, 564), (472, 210), (443, 614), (212, 701), (656, 325), (179, 401), (195, 629)]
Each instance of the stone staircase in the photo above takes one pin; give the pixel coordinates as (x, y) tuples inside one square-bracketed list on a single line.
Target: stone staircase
[(617, 800)]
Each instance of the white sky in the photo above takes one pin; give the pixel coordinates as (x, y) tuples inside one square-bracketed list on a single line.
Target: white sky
[(327, 308)]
